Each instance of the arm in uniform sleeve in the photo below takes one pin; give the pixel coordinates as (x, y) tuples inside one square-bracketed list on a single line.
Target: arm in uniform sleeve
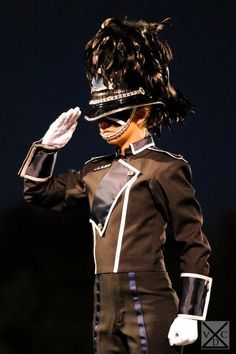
[(174, 189), (44, 189)]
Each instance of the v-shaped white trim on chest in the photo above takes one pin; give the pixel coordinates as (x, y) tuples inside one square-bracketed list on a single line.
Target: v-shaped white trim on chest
[(126, 175)]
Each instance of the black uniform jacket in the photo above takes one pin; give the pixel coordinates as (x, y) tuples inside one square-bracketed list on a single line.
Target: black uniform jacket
[(132, 198)]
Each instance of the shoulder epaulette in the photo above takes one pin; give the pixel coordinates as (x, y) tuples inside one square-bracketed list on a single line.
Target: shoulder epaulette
[(175, 156), (96, 158)]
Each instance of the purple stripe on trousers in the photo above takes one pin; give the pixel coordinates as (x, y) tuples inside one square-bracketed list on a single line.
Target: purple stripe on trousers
[(138, 310), (97, 313)]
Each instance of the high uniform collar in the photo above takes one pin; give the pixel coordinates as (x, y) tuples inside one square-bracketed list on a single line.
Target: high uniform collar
[(138, 146)]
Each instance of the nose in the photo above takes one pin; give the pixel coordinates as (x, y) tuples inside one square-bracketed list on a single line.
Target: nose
[(103, 123)]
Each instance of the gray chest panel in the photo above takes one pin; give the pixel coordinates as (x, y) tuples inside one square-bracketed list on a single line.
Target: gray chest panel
[(109, 190)]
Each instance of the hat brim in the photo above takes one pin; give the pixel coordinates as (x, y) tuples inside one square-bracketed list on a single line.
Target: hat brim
[(100, 110)]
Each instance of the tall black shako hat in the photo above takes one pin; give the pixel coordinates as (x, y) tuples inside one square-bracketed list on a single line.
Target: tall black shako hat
[(127, 65)]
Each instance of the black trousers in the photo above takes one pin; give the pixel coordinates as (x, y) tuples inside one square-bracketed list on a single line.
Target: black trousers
[(133, 313)]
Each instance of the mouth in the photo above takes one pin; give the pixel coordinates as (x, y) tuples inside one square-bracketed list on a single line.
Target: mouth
[(107, 130), (107, 133), (108, 136)]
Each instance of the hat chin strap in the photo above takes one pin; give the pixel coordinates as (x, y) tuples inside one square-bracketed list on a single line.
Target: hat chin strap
[(124, 127)]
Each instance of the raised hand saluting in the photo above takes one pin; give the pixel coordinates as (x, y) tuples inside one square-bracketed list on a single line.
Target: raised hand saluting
[(62, 129)]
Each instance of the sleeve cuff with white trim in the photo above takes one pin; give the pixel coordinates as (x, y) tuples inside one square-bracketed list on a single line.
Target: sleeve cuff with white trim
[(39, 162), (195, 296)]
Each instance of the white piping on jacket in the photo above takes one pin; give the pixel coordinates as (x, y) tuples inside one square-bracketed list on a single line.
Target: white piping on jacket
[(123, 215)]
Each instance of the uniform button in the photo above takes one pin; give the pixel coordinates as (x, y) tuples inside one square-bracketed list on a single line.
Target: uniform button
[(100, 226), (130, 173)]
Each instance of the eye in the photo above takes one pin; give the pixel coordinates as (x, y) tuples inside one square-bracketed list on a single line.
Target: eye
[(124, 115), (107, 122)]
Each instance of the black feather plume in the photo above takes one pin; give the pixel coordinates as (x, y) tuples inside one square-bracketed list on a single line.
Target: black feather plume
[(130, 54)]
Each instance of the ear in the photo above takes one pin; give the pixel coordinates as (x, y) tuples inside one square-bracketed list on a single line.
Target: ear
[(141, 115)]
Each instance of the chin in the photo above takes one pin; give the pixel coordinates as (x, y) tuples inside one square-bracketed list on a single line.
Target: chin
[(113, 141)]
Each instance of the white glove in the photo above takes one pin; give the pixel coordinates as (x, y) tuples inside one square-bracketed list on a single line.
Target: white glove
[(61, 130), (183, 331)]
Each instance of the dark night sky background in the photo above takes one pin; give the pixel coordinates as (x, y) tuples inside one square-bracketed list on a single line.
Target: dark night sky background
[(42, 75)]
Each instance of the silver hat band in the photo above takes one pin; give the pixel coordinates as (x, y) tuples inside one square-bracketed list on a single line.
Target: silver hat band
[(118, 96)]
